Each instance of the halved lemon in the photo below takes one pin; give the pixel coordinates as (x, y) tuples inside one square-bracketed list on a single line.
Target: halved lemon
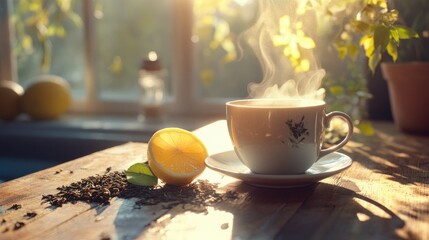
[(176, 156)]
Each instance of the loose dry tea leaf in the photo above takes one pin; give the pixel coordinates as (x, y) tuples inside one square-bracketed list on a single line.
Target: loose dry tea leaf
[(30, 215), (15, 207), (3, 221), (102, 188), (18, 225), (94, 189), (104, 236), (199, 193)]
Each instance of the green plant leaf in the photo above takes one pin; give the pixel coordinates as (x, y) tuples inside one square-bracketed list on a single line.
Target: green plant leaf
[(374, 59), (381, 37), (366, 128), (392, 50), (406, 32), (367, 42), (342, 51), (140, 174), (395, 35), (336, 90), (360, 26), (75, 18), (27, 42), (353, 51)]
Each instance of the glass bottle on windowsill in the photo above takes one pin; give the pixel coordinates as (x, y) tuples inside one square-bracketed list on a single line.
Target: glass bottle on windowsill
[(151, 80)]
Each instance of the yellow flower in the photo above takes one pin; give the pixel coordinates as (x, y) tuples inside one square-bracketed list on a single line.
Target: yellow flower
[(293, 38)]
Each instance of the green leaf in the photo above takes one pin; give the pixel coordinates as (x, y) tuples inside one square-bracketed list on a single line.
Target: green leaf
[(336, 90), (392, 50), (353, 51), (367, 42), (381, 37), (140, 174), (366, 128), (27, 42), (360, 26), (406, 32), (75, 18), (374, 59), (342, 51), (395, 35)]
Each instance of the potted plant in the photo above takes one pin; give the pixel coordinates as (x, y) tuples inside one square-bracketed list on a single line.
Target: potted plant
[(408, 78)]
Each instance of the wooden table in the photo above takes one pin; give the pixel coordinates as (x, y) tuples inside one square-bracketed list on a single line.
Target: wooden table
[(383, 195)]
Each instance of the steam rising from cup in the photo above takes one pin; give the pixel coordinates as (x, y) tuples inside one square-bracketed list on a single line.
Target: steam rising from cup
[(280, 79)]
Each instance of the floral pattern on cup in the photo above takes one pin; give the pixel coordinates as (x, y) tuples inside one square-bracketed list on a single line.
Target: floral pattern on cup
[(297, 132)]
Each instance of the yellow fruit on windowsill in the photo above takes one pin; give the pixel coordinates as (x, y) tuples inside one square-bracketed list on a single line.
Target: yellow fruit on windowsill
[(10, 94), (47, 98)]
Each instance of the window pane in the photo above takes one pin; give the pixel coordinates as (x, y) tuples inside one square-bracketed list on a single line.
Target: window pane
[(223, 71), (52, 44), (126, 31)]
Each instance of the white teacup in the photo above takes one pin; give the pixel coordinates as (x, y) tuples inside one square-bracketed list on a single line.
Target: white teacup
[(276, 136)]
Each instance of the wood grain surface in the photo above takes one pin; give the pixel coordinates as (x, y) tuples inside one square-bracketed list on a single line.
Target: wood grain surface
[(383, 195)]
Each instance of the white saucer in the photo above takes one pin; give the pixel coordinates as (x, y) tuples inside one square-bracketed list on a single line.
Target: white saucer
[(229, 164)]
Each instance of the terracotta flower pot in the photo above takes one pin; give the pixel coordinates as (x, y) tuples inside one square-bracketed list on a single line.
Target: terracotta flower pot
[(408, 85)]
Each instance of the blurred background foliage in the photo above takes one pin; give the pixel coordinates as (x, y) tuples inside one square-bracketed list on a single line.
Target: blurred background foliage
[(38, 22), (342, 46), (221, 55)]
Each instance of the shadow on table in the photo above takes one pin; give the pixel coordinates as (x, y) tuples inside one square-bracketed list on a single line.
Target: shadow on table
[(404, 158), (399, 157), (320, 211), (130, 222)]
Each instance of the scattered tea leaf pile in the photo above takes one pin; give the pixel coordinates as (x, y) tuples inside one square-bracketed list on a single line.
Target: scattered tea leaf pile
[(102, 188), (93, 189), (199, 193)]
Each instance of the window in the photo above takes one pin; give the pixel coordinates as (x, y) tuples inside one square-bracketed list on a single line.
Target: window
[(98, 47), (44, 44)]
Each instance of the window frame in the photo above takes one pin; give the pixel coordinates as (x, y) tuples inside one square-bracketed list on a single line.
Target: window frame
[(7, 62), (184, 99)]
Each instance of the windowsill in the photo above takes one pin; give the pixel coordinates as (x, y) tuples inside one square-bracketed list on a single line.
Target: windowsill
[(29, 146), (100, 127)]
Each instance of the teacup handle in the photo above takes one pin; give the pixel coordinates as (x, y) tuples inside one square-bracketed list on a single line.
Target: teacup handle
[(349, 122)]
